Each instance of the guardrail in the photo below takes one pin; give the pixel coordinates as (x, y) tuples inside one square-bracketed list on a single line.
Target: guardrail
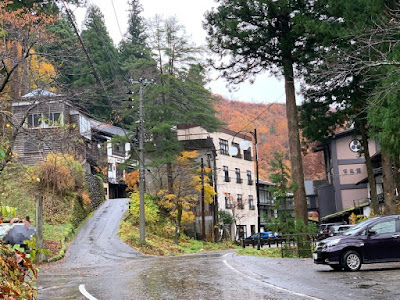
[(302, 244)]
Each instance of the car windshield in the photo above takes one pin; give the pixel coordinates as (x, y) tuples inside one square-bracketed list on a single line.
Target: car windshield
[(354, 229)]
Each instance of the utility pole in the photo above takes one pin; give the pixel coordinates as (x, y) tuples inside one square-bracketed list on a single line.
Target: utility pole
[(142, 219), (258, 193), (39, 227), (203, 218), (216, 229)]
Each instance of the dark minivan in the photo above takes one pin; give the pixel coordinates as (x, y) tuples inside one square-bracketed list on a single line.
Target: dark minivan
[(375, 240)]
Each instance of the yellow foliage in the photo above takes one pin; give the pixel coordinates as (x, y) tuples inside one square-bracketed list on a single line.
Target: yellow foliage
[(209, 193), (131, 179), (42, 71), (187, 217), (353, 218), (186, 155)]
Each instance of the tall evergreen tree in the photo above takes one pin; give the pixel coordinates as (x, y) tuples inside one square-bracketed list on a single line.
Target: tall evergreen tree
[(134, 42), (179, 96), (135, 54), (99, 97), (63, 51), (336, 93), (265, 35)]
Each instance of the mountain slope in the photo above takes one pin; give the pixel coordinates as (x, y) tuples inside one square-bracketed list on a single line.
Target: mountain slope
[(271, 124)]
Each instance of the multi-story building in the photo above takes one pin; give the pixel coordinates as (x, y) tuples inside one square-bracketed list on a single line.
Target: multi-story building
[(234, 176), (53, 124), (345, 169)]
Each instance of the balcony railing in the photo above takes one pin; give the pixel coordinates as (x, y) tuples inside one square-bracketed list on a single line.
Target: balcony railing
[(227, 179), (250, 182), (228, 205), (239, 180), (252, 207)]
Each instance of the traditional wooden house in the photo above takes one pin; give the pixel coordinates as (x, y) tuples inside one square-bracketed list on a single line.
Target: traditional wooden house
[(50, 123)]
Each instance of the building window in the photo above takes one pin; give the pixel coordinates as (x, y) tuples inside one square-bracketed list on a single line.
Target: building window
[(118, 149), (34, 120), (237, 174), (251, 202), (228, 200), (55, 119), (253, 229), (247, 154), (249, 179), (223, 147), (120, 174), (240, 201), (226, 174)]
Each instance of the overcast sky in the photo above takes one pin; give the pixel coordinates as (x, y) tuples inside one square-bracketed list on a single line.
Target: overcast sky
[(266, 89)]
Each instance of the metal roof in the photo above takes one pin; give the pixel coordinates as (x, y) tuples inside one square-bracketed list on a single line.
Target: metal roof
[(106, 128), (40, 93)]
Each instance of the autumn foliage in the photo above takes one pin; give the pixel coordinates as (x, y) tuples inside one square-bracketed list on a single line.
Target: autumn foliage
[(271, 124), (16, 275), (132, 179), (21, 30), (187, 186), (60, 178)]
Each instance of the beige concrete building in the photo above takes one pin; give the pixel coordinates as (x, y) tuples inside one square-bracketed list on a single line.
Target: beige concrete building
[(234, 176)]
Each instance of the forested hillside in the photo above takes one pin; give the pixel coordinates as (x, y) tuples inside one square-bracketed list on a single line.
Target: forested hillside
[(271, 124)]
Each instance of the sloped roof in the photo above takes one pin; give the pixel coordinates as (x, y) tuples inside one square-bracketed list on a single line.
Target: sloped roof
[(106, 128), (344, 212), (40, 93)]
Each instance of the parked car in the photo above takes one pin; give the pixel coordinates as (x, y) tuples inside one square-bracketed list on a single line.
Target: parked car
[(339, 229), (252, 239), (375, 240), (263, 235), (323, 229)]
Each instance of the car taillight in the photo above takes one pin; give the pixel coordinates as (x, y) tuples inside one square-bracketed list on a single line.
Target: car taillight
[(326, 231)]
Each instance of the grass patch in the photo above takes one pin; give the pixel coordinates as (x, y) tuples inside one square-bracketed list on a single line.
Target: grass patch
[(266, 252), (160, 245), (56, 232)]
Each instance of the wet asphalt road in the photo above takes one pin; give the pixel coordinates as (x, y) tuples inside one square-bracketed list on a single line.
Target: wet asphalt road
[(109, 269)]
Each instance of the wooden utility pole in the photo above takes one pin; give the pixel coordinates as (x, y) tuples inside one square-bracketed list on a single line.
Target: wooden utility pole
[(39, 227), (142, 220), (203, 218)]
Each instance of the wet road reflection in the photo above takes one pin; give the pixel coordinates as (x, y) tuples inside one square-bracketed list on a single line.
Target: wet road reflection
[(109, 269)]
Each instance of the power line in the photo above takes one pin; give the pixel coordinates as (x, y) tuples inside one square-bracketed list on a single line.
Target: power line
[(116, 18), (255, 118), (96, 74)]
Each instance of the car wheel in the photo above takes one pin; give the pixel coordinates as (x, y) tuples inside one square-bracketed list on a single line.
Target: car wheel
[(336, 267), (351, 261)]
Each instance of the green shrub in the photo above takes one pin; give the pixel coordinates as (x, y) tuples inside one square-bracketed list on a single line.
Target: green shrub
[(79, 213), (151, 209)]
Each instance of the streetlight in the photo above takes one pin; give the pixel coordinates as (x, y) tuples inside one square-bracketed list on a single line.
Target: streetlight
[(234, 151)]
